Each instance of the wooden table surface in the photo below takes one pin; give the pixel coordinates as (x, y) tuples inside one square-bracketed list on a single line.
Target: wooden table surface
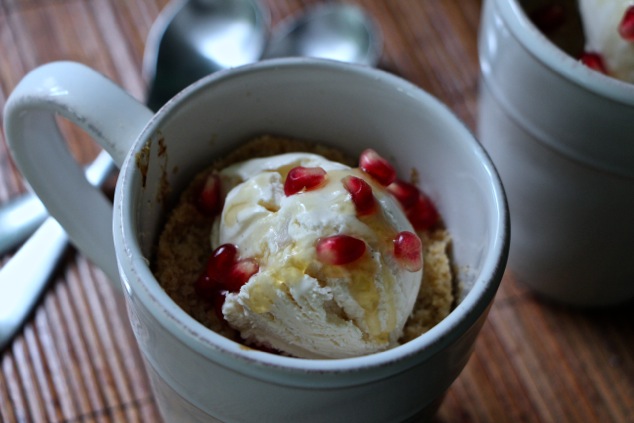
[(75, 360)]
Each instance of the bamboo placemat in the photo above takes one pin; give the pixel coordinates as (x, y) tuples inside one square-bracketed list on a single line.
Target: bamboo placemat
[(76, 360)]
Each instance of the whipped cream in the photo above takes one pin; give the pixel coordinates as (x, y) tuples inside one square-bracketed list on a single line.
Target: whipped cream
[(601, 20), (295, 303)]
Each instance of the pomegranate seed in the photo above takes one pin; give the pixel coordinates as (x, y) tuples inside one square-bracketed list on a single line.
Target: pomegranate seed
[(209, 200), (221, 260), (339, 249), (626, 27), (303, 179), (240, 273), (594, 61), (404, 192), (408, 250), (209, 290), (205, 287), (377, 167), (549, 17), (361, 193), (423, 215), (224, 273)]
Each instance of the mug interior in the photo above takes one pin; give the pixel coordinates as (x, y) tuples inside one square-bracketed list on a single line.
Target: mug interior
[(548, 53), (346, 106)]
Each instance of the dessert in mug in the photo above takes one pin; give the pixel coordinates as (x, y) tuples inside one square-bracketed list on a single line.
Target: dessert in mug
[(598, 32), (290, 247)]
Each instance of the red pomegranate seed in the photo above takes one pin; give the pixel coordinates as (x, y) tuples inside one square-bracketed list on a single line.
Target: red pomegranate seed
[(339, 249), (209, 200), (224, 272), (423, 215), (209, 290), (240, 273), (377, 167), (361, 193), (408, 250), (205, 287), (594, 61), (626, 27), (549, 17), (404, 192), (221, 260), (303, 179)]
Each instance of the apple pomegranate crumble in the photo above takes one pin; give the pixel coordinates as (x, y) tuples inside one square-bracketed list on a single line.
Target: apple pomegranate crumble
[(234, 287)]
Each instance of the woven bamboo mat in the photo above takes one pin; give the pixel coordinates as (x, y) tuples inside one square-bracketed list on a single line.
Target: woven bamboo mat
[(76, 361)]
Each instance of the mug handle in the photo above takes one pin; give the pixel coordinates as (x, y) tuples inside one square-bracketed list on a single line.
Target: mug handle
[(112, 117)]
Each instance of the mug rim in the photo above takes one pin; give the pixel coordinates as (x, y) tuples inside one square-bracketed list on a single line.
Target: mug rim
[(234, 355), (559, 61)]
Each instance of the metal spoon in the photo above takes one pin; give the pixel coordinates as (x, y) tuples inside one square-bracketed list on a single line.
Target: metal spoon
[(19, 218), (22, 278), (189, 40), (337, 31), (192, 39)]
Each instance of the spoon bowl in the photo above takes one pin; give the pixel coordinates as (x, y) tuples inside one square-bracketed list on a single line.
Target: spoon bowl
[(193, 38), (334, 31)]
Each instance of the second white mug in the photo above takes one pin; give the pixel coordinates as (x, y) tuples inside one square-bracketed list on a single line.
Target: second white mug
[(561, 137)]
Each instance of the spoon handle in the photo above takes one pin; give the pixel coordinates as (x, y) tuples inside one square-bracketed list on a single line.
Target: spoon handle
[(19, 218), (24, 276), (21, 278)]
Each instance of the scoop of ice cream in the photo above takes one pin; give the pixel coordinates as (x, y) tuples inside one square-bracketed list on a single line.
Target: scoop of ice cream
[(330, 272), (609, 31)]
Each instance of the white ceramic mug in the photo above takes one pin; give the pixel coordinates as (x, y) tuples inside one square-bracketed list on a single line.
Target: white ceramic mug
[(198, 375), (562, 138)]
